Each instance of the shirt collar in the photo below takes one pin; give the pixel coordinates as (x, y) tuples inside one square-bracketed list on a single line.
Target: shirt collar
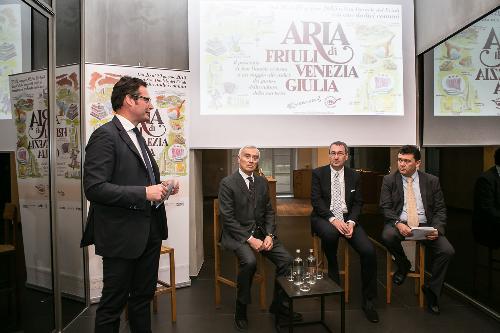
[(414, 176), (244, 175), (498, 169), (127, 125), (340, 172)]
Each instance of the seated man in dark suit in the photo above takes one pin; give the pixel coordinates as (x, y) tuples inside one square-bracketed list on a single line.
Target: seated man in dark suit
[(486, 225), (337, 200), (248, 227), (411, 198)]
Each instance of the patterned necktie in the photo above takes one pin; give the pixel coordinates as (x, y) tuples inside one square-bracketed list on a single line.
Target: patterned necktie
[(251, 188), (337, 198), (411, 204), (145, 156)]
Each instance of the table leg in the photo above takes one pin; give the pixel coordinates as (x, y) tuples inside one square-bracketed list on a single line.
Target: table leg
[(290, 317), (342, 313)]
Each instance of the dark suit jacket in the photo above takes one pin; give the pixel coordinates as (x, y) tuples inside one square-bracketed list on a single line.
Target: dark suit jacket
[(321, 193), (486, 218), (392, 199), (238, 214), (114, 181)]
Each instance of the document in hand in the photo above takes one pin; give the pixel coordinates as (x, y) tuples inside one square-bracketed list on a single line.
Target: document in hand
[(420, 233)]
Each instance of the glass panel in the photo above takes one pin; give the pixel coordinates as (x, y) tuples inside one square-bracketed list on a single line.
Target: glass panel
[(68, 165), (27, 271)]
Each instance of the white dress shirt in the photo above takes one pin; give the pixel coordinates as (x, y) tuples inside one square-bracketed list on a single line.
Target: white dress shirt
[(333, 173), (129, 127)]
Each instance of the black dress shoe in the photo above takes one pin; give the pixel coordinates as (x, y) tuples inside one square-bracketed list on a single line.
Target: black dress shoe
[(400, 275), (283, 312), (431, 300), (241, 323), (370, 312), (240, 317)]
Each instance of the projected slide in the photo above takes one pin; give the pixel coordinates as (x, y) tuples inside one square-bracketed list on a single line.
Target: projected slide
[(467, 71), (280, 58)]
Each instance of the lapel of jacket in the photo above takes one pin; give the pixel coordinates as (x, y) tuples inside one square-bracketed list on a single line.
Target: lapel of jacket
[(398, 179), (347, 185), (327, 180), (422, 182), (126, 138), (242, 184)]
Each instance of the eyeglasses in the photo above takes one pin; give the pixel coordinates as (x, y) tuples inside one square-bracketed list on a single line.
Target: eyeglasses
[(146, 99), (339, 154)]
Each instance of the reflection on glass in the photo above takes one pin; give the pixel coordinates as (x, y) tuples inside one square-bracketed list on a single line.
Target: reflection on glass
[(28, 99)]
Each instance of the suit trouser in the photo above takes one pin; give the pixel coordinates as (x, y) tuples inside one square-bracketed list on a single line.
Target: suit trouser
[(131, 281), (441, 251), (360, 243), (248, 265)]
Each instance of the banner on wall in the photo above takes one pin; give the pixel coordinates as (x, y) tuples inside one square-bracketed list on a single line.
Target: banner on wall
[(29, 98), (166, 135), (467, 71), (300, 58)]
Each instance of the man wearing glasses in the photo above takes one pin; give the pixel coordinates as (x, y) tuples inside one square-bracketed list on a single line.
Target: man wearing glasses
[(126, 219), (336, 199)]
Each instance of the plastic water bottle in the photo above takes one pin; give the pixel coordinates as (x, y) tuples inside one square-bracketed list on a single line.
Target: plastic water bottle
[(298, 269), (311, 267)]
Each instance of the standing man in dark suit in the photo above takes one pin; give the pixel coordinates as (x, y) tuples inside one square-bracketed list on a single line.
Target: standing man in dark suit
[(126, 219), (337, 200), (486, 223), (411, 198), (248, 226)]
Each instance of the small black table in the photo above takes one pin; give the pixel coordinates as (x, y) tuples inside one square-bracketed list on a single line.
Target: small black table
[(321, 288)]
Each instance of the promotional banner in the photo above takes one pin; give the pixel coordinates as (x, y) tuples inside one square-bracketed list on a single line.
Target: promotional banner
[(166, 135), (29, 98), (68, 179), (278, 58), (10, 53), (29, 95), (467, 71)]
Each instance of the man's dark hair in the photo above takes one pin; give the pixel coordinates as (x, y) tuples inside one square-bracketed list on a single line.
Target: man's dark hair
[(339, 143), (410, 149), (125, 86), (497, 156)]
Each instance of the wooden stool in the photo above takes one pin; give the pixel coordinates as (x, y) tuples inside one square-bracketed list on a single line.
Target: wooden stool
[(418, 275), (321, 259), (259, 277), (165, 287)]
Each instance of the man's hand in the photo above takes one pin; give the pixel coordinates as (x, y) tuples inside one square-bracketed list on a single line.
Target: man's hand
[(267, 244), (175, 184), (341, 226), (156, 192), (432, 235), (404, 229), (350, 227), (255, 243)]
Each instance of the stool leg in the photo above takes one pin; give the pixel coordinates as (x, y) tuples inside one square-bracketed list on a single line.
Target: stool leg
[(155, 304), (422, 275), (217, 274), (388, 277), (173, 300)]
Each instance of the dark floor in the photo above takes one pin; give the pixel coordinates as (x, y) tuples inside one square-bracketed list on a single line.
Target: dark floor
[(196, 311)]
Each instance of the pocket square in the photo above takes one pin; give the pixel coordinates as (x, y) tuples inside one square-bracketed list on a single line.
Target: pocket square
[(353, 191)]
